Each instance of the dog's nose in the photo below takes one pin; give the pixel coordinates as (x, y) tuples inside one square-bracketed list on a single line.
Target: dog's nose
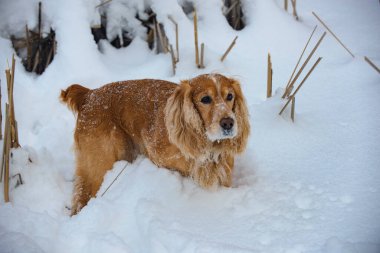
[(227, 123)]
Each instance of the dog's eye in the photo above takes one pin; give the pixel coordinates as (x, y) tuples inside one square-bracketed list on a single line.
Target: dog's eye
[(230, 97), (206, 100)]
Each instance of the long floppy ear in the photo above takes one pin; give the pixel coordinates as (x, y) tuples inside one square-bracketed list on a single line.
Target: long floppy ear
[(183, 123), (241, 113)]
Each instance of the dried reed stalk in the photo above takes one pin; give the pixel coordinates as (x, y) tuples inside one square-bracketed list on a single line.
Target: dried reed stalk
[(101, 4), (49, 57), (1, 117), (114, 180), (290, 87), (230, 8), (293, 107), (294, 3), (161, 37), (155, 36), (10, 84), (8, 75), (237, 14), (176, 38), (28, 49), (333, 34), (173, 59), (300, 85), (6, 137), (196, 38), (6, 153), (36, 60), (16, 134), (298, 62), (202, 65), (228, 49), (371, 64), (269, 78), (39, 20), (54, 47)]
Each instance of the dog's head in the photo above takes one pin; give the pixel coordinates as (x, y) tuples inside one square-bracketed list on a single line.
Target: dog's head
[(207, 111)]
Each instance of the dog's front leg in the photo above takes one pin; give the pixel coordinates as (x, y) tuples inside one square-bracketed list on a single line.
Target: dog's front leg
[(226, 166)]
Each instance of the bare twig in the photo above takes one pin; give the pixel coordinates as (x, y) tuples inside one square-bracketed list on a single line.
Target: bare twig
[(230, 8), (6, 155), (161, 37), (228, 49), (173, 59), (39, 20), (333, 34), (28, 49), (36, 60), (196, 38), (269, 78), (300, 85), (14, 133), (1, 118), (6, 136), (101, 4), (49, 57), (176, 37), (290, 87), (294, 4), (293, 107), (19, 181), (10, 84), (202, 65), (298, 62), (16, 143), (125, 166), (372, 64)]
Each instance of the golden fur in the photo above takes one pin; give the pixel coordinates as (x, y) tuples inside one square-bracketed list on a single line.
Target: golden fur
[(175, 126)]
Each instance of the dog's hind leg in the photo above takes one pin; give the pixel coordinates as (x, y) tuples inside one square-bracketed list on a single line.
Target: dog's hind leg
[(81, 194), (96, 153)]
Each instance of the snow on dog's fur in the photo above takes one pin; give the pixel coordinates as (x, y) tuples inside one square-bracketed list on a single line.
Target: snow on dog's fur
[(195, 128)]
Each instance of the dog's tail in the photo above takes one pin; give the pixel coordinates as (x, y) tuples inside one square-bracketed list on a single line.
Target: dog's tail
[(74, 96)]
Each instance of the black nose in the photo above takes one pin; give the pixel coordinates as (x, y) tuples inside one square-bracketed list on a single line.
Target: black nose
[(227, 123)]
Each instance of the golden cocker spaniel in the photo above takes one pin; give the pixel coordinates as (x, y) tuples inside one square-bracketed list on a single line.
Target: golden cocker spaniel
[(195, 128)]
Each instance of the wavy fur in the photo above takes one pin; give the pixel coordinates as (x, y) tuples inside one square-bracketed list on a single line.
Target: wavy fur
[(164, 121)]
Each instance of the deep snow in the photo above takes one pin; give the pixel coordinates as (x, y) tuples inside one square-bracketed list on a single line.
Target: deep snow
[(308, 186)]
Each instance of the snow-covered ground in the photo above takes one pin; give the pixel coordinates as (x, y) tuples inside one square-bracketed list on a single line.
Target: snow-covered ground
[(308, 186)]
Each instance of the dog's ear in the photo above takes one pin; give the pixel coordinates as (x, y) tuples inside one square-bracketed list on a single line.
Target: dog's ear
[(241, 113), (183, 123)]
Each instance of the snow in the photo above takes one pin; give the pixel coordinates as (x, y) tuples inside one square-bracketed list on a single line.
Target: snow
[(308, 186)]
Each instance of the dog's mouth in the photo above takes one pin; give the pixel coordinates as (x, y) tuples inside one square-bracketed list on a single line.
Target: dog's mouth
[(228, 133), (221, 134)]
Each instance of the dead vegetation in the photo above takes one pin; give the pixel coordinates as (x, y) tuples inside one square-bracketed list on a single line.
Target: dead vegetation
[(234, 14), (10, 132), (36, 49)]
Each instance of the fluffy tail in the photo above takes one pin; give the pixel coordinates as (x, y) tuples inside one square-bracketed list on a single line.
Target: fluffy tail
[(73, 96)]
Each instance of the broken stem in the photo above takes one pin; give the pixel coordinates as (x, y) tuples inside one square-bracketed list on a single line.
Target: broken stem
[(196, 39), (299, 86), (298, 62), (228, 49), (289, 89), (333, 34)]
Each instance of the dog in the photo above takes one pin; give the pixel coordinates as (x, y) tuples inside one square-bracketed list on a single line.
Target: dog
[(195, 128)]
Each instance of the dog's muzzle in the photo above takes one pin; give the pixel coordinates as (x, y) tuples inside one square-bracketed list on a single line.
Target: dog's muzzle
[(226, 129)]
